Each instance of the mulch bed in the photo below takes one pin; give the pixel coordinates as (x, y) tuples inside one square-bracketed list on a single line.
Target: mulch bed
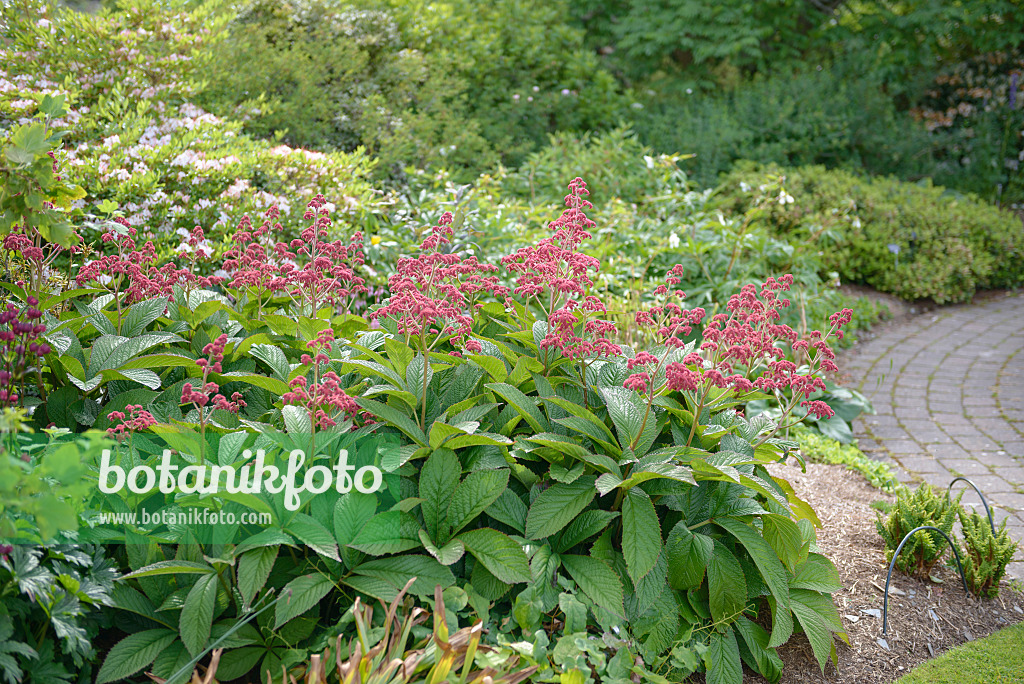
[(925, 618)]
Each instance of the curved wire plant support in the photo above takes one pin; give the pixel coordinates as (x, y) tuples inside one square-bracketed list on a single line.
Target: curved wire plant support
[(892, 564), (988, 511)]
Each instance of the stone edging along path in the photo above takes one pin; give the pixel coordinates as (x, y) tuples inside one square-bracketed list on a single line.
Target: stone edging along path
[(948, 389)]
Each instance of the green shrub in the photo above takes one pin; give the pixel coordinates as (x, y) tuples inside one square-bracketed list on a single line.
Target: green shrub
[(329, 75), (985, 554), (135, 143), (913, 509), (916, 241)]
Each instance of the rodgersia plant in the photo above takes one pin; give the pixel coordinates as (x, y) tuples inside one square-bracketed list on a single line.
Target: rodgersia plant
[(533, 465)]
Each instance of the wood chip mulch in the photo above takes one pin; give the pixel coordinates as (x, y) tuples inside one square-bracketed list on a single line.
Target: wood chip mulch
[(925, 618)]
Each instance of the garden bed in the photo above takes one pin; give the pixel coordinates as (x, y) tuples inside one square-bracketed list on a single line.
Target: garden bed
[(925, 618)]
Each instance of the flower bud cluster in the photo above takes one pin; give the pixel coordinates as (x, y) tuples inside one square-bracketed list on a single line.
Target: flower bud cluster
[(21, 347)]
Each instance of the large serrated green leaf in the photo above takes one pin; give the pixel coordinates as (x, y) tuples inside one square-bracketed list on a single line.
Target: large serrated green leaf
[(510, 510), (448, 554), (397, 570), (314, 535), (274, 358), (351, 513), (197, 614), (388, 532), (299, 595), (438, 479), (641, 533), (503, 557), (723, 659), (253, 570), (478, 491), (727, 588), (133, 653), (587, 524), (598, 581), (141, 314), (688, 555), (171, 567), (814, 623), (772, 572), (556, 506), (523, 404), (765, 661), (395, 418), (817, 573), (636, 427)]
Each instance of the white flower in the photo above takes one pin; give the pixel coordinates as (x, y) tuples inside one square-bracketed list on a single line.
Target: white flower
[(785, 198), (673, 241)]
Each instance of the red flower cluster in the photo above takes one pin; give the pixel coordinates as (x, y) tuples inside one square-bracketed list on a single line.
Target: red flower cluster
[(323, 398), (137, 419), (433, 294), (742, 349), (556, 275), (210, 391), (130, 271), (20, 347)]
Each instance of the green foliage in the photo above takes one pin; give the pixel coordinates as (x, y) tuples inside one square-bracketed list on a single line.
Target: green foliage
[(41, 492), (698, 38), (913, 240), (50, 612), (821, 449), (456, 85), (33, 196), (922, 506), (853, 124), (330, 75), (985, 554), (134, 143)]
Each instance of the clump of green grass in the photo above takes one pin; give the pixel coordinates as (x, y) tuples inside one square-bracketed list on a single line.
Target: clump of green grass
[(992, 660)]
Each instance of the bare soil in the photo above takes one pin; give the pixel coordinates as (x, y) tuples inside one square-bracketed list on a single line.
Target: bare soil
[(925, 618)]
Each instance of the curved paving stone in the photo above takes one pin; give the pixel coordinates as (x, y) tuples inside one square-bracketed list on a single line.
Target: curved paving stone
[(948, 388)]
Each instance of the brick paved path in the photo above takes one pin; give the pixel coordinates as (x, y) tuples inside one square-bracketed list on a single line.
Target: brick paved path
[(948, 388)]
